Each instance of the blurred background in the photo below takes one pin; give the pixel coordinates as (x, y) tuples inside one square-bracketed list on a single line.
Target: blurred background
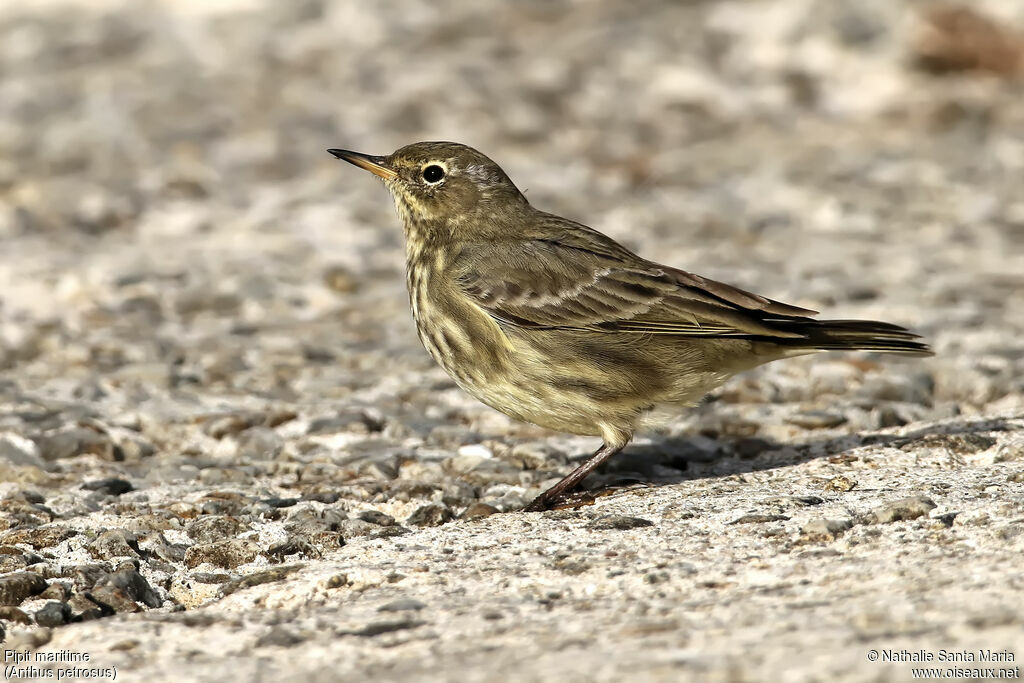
[(206, 348), (170, 224), (163, 179)]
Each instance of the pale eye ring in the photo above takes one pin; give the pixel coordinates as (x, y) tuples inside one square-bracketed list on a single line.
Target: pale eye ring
[(433, 173)]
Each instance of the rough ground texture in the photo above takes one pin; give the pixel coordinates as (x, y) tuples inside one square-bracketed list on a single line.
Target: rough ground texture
[(224, 455)]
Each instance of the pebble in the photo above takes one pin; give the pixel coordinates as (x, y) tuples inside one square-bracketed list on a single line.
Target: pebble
[(115, 543), (214, 528), (227, 554), (109, 487), (755, 518), (72, 442), (130, 583), (16, 587), (816, 419), (53, 614), (821, 529), (402, 605), (14, 614), (900, 510), (478, 511), (434, 514), (619, 523), (376, 517), (17, 450), (260, 577), (278, 636), (840, 484)]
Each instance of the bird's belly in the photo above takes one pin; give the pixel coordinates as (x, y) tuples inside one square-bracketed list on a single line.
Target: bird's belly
[(503, 372), (576, 382)]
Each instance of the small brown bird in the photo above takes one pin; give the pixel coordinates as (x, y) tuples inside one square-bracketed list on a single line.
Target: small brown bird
[(554, 323)]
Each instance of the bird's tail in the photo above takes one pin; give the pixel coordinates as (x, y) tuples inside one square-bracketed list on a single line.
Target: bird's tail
[(855, 335)]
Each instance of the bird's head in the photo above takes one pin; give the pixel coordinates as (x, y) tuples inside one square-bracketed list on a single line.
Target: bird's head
[(444, 188)]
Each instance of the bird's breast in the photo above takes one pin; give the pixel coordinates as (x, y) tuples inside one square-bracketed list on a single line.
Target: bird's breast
[(462, 338)]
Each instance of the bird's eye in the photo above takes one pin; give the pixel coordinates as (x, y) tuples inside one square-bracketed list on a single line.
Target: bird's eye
[(433, 173)]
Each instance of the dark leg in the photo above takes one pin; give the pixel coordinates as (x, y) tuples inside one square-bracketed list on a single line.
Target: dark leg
[(550, 498)]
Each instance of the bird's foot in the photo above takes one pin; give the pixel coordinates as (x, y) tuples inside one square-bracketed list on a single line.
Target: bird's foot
[(577, 499)]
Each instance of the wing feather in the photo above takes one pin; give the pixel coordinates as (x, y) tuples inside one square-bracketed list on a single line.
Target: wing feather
[(579, 279)]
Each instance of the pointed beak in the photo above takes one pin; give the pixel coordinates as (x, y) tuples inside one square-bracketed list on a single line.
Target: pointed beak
[(375, 165)]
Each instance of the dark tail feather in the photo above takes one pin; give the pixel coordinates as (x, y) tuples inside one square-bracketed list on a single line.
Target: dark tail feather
[(856, 335)]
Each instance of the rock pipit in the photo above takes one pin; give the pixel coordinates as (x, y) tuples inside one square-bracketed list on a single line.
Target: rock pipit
[(553, 323)]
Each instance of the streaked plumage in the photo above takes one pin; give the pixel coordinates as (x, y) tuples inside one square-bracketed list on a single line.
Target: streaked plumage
[(554, 323)]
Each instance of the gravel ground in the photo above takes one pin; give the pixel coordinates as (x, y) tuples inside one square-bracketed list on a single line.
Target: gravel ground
[(224, 455)]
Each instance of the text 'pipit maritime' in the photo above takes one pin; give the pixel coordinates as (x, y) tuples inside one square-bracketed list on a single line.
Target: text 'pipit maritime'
[(553, 323)]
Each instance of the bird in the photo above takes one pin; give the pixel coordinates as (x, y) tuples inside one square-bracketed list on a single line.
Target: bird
[(554, 323)]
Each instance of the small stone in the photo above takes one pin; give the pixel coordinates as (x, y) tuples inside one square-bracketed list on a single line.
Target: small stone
[(227, 554), (339, 279), (402, 605), (389, 532), (214, 528), (888, 416), (85, 609), (278, 636), (376, 517), (358, 421), (260, 578), (840, 484), (478, 511), (337, 581), (210, 577), (280, 502), (900, 510), (40, 537), (16, 587), (57, 590), (74, 441), (259, 444), (220, 426), (351, 528), (434, 514), (325, 497), (535, 456), (134, 447), (115, 543), (201, 299), (750, 447), (381, 627), (132, 584), (53, 614), (109, 487), (28, 639), (1010, 450), (476, 450), (816, 419), (825, 529), (15, 614), (111, 601), (619, 523), (755, 518), (85, 576), (17, 450), (296, 546), (958, 444)]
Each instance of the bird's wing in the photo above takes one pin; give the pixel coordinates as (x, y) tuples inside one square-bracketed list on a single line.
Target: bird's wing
[(583, 280)]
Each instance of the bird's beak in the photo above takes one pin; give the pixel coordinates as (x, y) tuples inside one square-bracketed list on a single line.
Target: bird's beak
[(375, 165)]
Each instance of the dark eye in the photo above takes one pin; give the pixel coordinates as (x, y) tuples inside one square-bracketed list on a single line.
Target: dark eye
[(433, 173)]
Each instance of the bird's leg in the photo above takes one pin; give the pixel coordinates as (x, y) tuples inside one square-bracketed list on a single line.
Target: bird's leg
[(553, 495)]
